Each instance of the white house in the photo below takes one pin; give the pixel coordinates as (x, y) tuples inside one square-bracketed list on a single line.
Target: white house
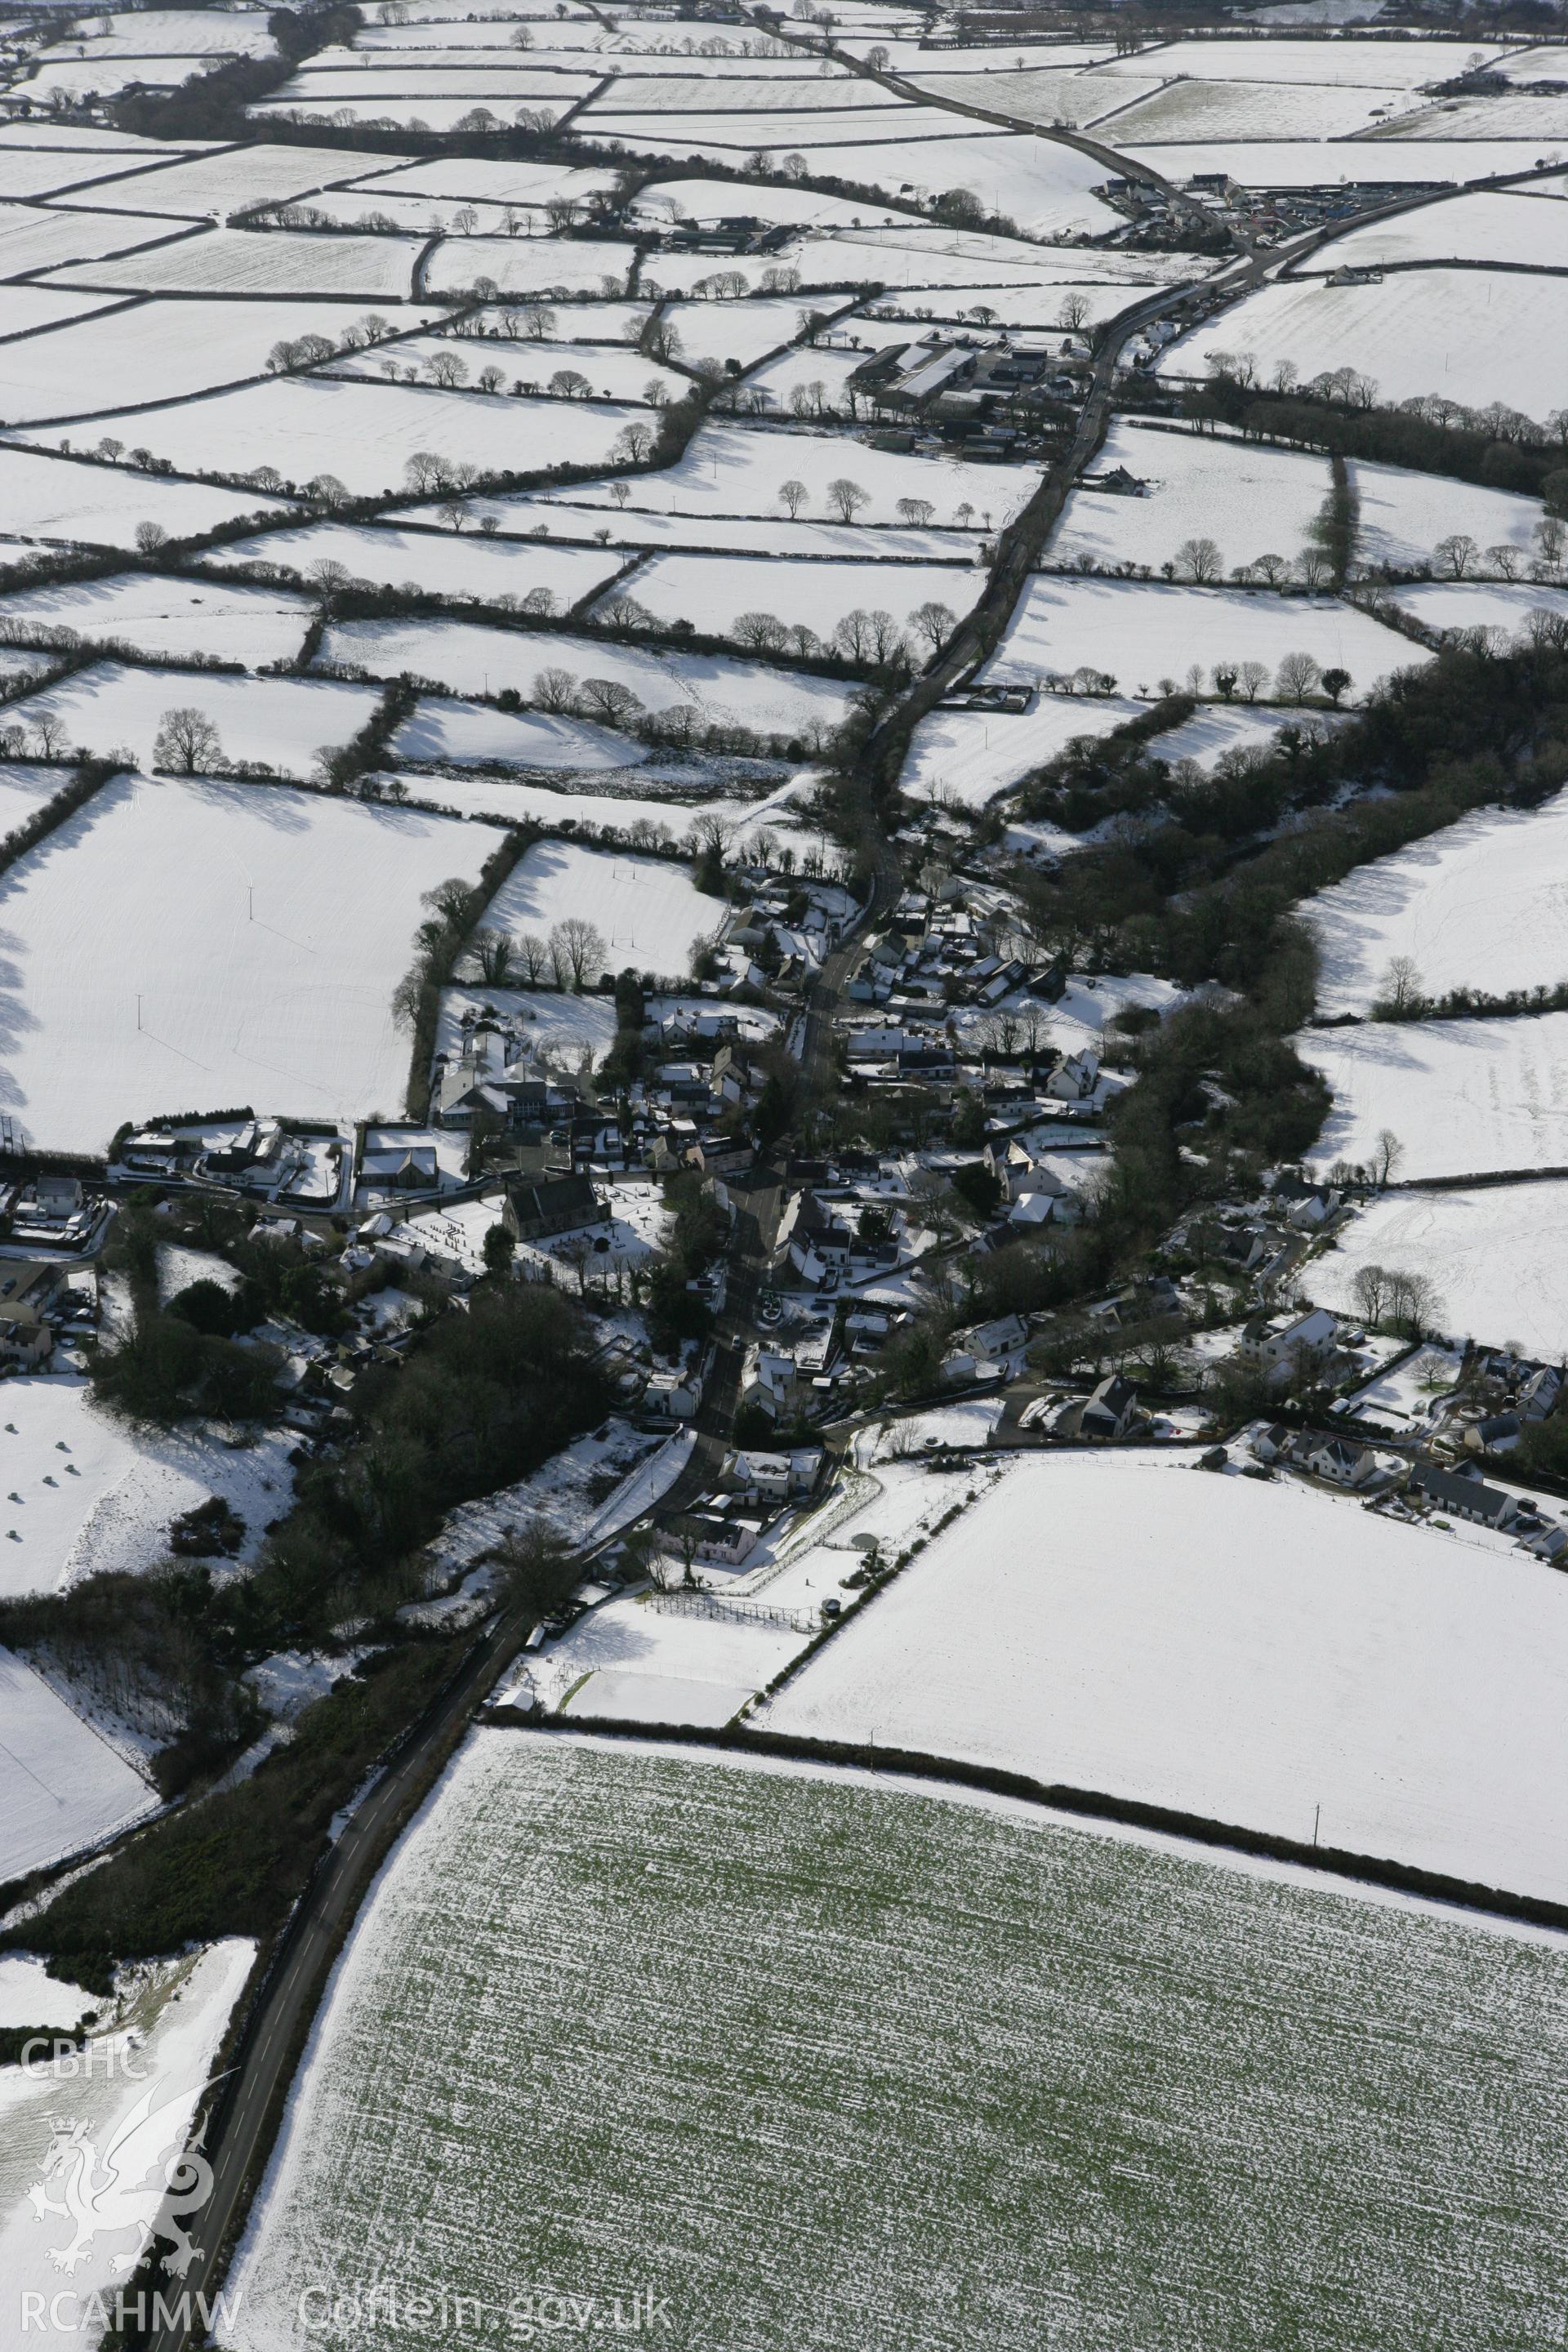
[(1074, 1079), (1281, 1348)]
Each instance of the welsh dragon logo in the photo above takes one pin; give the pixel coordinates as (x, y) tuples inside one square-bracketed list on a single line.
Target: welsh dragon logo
[(142, 2179)]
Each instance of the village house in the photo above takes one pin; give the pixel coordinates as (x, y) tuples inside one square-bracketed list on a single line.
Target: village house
[(672, 1396), (768, 1379), (782, 1477), (1110, 1412), (1343, 1461), (1463, 1497), (811, 1241), (1074, 1079), (1285, 1347)]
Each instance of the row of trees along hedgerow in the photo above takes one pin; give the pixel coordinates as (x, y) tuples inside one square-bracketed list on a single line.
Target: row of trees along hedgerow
[(1206, 885)]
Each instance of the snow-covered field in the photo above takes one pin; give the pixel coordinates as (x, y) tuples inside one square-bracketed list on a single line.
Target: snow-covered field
[(1494, 226), (34, 238), (512, 802), (281, 722), (42, 173), (1060, 625), (1263, 1655), (249, 262), (240, 943), (744, 330), (634, 528), (1497, 1257), (230, 180), (158, 350), (62, 1786), (1202, 110), (488, 179), (1464, 1098), (734, 469), (473, 734), (366, 432), (969, 756), (611, 372), (437, 561), (24, 786), (172, 33), (1403, 517), (712, 592), (1541, 119), (86, 1495), (686, 2013), (171, 620), (666, 201), (1498, 604), (101, 506), (1249, 500), (132, 2119), (1424, 330), (647, 910), (531, 264), (1356, 63), (1042, 186), (1216, 727), (1036, 95), (474, 660), (1483, 905), (1290, 162)]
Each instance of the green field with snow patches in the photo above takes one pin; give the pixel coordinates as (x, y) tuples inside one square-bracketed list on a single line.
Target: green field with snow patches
[(828, 2064)]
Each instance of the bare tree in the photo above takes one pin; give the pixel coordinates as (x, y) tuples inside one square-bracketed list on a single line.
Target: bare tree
[(583, 947), (494, 950), (610, 700), (1370, 1290), (759, 632), (845, 497), (554, 690), (1400, 989), (793, 495), (535, 954), (1388, 1156), (1201, 560), (49, 734), (448, 370), (1254, 677), (328, 577), (1455, 554), (188, 741), (1296, 676), (934, 622), (1413, 1301), (1073, 312), (917, 512)]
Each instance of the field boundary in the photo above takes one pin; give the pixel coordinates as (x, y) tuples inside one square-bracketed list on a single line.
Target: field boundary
[(1089, 1804)]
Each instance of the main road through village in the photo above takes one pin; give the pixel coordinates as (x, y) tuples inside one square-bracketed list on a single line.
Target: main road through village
[(243, 2120)]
